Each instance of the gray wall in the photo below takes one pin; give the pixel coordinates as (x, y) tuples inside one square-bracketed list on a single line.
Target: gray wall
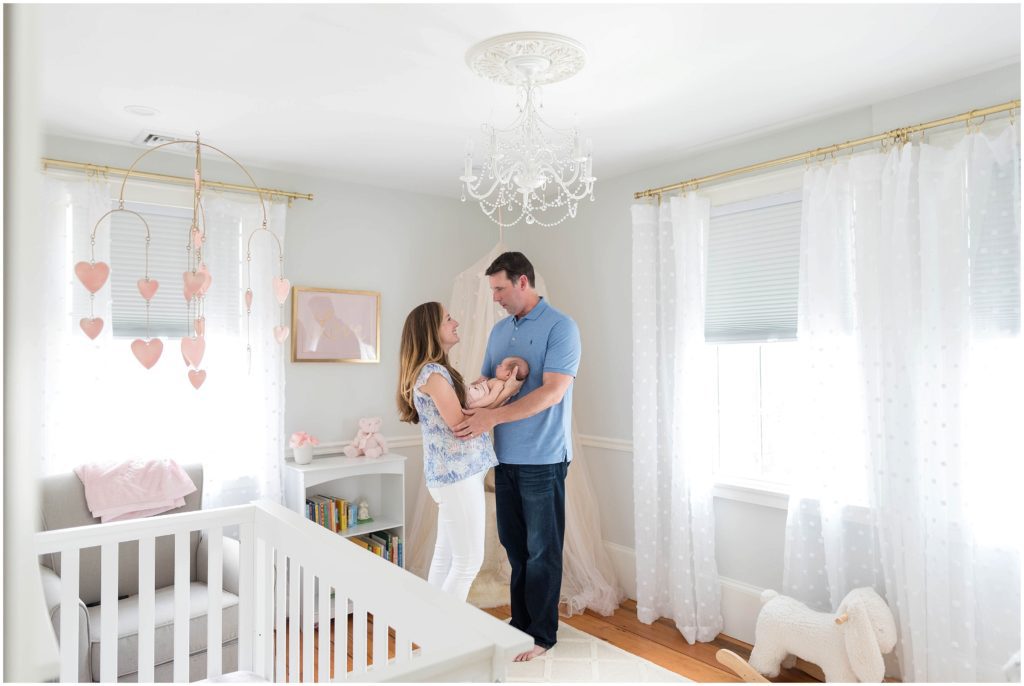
[(586, 263)]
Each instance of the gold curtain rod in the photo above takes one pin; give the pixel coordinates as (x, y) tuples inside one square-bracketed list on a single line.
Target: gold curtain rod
[(100, 169), (895, 134)]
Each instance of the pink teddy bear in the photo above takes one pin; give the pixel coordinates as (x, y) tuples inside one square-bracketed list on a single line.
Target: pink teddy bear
[(368, 441)]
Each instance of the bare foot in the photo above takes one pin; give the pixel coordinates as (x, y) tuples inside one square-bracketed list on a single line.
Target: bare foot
[(537, 651)]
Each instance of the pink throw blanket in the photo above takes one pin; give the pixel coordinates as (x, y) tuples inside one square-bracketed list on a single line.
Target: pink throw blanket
[(128, 490)]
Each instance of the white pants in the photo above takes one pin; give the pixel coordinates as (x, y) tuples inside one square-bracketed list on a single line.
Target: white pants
[(459, 550)]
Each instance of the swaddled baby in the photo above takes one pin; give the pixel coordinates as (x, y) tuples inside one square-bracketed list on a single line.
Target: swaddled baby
[(508, 379)]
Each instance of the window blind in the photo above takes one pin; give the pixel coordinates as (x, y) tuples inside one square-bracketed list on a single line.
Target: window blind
[(995, 251), (753, 272), (169, 234)]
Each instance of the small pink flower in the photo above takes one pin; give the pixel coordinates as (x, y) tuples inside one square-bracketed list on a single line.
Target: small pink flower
[(301, 438)]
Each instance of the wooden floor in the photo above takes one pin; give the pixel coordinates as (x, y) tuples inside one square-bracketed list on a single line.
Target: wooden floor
[(659, 643), (662, 644), (316, 648)]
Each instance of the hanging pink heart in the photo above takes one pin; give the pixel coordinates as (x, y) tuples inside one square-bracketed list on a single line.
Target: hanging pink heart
[(207, 279), (91, 327), (147, 288), (281, 333), (147, 352), (193, 281), (201, 326), (248, 298), (281, 288), (196, 378), (92, 276), (192, 350)]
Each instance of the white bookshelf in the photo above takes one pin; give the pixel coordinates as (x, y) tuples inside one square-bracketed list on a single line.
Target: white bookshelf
[(380, 481)]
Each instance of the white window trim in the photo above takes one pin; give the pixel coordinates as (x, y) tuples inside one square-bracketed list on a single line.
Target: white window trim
[(752, 491)]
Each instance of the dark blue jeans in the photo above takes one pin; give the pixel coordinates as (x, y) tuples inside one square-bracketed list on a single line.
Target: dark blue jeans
[(530, 507)]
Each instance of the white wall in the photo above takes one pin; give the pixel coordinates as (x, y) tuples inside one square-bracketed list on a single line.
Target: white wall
[(586, 263), (30, 648)]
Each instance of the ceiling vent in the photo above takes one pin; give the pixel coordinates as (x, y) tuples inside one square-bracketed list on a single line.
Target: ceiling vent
[(150, 139)]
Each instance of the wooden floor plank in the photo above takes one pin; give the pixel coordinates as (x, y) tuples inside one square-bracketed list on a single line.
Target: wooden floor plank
[(659, 642), (650, 641), (669, 658)]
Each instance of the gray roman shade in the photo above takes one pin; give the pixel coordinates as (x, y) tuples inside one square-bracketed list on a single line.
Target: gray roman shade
[(753, 271), (169, 233), (995, 251)]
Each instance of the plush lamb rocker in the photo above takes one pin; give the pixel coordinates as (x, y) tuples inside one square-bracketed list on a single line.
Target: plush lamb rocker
[(847, 645), (368, 441)]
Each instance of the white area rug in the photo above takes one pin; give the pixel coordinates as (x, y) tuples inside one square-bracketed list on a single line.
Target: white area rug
[(581, 657)]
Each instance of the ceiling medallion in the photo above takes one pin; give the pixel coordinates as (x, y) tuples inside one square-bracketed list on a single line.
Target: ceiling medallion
[(532, 170)]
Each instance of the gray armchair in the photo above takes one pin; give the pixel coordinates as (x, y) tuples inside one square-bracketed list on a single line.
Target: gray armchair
[(64, 506)]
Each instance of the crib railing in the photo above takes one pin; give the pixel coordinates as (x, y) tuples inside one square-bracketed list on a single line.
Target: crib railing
[(292, 574)]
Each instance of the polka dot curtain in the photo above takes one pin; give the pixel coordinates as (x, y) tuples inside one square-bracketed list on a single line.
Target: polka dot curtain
[(910, 458), (674, 427)]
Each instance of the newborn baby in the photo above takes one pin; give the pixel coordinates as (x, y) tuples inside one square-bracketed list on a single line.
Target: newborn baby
[(508, 379)]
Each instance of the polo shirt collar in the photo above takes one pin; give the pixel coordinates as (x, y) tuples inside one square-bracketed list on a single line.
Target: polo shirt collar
[(537, 310)]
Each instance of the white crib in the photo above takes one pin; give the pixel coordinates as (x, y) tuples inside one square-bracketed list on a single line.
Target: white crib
[(435, 637)]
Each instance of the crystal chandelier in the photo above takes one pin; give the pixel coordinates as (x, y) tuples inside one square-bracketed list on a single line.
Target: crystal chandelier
[(532, 170)]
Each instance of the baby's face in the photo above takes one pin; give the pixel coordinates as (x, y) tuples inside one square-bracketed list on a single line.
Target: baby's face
[(503, 371)]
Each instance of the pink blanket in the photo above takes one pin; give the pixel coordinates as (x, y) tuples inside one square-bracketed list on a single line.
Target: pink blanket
[(128, 490)]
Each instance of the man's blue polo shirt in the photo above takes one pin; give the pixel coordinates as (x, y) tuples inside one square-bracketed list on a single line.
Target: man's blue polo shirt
[(549, 341)]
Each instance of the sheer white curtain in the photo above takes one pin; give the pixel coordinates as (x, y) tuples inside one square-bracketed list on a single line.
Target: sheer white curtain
[(897, 287), (831, 546), (103, 405), (673, 419)]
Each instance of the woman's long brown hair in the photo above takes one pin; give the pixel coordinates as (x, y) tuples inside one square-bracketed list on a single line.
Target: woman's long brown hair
[(421, 344)]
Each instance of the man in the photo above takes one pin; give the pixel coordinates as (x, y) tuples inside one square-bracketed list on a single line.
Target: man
[(532, 439)]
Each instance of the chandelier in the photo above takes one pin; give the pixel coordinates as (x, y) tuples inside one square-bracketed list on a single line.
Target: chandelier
[(532, 171)]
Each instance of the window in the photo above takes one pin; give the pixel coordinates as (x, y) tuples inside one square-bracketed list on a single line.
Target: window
[(757, 412), (753, 288), (101, 404), (169, 234)]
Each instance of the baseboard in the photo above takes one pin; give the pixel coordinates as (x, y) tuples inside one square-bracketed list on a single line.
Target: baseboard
[(741, 602), (624, 561)]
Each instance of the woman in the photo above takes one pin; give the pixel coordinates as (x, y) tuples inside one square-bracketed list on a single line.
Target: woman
[(431, 393)]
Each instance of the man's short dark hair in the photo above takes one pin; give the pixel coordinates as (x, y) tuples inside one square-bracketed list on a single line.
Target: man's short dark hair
[(514, 264)]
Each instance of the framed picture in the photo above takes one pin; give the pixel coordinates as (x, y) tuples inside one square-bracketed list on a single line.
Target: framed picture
[(331, 325)]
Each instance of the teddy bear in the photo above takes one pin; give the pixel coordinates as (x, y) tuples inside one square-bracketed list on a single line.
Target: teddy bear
[(368, 441)]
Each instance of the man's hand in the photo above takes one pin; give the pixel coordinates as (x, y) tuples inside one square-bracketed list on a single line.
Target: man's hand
[(479, 421)]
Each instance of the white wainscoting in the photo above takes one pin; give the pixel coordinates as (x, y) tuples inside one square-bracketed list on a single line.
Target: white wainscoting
[(740, 602), (416, 440)]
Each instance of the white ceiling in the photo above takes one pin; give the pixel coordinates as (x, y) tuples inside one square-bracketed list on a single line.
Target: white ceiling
[(380, 94)]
